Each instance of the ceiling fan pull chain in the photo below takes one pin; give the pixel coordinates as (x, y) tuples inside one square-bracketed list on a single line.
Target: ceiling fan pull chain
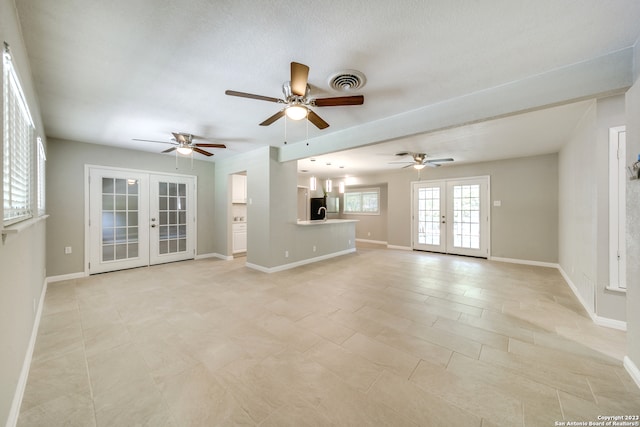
[(285, 129)]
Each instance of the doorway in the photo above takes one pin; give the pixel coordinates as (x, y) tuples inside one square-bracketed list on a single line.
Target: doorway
[(138, 218), (451, 216)]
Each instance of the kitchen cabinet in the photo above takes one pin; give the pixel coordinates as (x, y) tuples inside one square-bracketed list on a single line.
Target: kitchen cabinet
[(238, 189), (239, 233)]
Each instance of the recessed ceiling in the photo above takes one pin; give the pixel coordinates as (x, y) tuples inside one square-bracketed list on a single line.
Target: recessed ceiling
[(109, 72)]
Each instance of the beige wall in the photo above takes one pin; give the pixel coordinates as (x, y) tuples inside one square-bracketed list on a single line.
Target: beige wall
[(22, 255), (65, 196), (525, 227)]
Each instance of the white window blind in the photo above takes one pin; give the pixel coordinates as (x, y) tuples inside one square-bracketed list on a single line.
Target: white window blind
[(18, 137)]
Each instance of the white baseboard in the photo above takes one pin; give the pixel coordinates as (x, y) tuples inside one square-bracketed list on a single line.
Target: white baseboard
[(299, 263), (215, 255), (402, 248), (632, 369), (14, 412), (598, 320), (377, 242), (525, 262), (212, 255), (609, 323), (69, 276)]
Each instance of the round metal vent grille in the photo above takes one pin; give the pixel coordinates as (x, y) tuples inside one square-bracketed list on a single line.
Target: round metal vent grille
[(347, 80)]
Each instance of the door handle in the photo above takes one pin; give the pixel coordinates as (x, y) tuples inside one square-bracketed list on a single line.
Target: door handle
[(153, 226)]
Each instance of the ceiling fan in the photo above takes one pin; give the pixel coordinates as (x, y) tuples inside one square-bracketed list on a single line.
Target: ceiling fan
[(183, 142), (420, 160), (297, 99)]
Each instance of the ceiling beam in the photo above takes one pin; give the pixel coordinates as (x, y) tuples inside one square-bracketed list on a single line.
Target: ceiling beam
[(606, 75)]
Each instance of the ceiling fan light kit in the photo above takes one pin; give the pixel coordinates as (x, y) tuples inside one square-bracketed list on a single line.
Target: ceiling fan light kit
[(297, 112), (186, 150)]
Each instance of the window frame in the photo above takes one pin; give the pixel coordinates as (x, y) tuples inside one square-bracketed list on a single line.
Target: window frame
[(360, 192)]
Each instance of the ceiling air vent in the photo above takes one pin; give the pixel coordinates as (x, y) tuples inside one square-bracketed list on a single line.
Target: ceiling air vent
[(347, 80)]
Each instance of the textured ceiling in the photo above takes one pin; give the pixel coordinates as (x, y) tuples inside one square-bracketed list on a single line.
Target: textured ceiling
[(107, 72)]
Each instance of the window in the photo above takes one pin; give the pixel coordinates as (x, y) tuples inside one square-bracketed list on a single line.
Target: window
[(18, 136), (42, 158), (365, 201)]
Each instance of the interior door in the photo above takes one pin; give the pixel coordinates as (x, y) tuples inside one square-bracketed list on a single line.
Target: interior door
[(451, 216), (118, 209), (171, 218), (138, 219)]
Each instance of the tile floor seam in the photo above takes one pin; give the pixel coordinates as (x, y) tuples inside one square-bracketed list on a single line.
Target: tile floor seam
[(86, 362)]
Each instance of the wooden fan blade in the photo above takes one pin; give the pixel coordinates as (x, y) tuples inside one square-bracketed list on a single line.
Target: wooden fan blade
[(149, 140), (210, 145), (339, 100), (273, 118), (299, 78), (439, 160), (252, 96), (317, 120), (168, 150), (206, 153)]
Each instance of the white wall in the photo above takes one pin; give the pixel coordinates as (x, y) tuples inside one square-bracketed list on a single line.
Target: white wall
[(22, 256), (633, 218)]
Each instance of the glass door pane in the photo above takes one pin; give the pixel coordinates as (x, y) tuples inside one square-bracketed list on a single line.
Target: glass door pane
[(120, 218), (428, 216), (466, 216), (118, 209), (172, 218)]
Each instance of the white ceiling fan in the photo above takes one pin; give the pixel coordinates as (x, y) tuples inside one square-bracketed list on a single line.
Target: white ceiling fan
[(420, 160)]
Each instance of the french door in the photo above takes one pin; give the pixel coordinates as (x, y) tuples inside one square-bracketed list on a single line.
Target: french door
[(451, 216), (138, 219)]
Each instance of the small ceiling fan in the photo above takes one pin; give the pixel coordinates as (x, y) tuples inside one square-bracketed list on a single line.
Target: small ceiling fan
[(298, 100), (420, 160), (183, 142)]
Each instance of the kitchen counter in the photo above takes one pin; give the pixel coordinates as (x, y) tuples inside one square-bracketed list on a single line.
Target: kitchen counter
[(327, 222)]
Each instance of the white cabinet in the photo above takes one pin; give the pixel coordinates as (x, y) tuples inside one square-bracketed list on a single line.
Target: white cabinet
[(239, 232), (238, 189)]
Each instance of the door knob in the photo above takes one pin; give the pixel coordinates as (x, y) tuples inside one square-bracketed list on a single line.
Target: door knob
[(153, 219), (153, 226)]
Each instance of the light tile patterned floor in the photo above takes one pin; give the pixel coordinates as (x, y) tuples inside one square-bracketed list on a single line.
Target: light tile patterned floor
[(379, 337)]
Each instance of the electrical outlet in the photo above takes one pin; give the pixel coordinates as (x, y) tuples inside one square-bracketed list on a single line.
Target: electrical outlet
[(286, 254), (368, 234), (67, 250), (314, 248)]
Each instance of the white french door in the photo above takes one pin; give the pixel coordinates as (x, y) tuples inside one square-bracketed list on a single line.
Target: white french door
[(451, 216), (138, 218)]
